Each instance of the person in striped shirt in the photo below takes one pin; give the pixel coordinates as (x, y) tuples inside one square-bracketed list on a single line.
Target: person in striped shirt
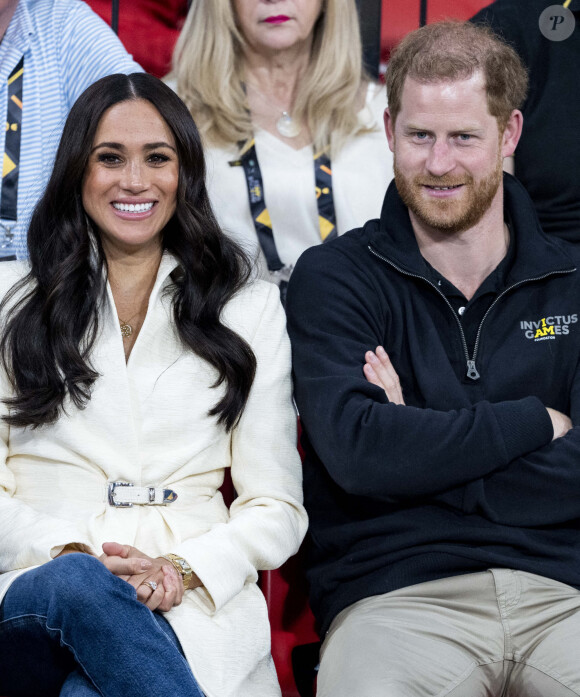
[(50, 51)]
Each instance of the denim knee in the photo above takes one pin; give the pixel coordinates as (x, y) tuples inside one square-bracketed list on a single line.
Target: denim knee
[(77, 580)]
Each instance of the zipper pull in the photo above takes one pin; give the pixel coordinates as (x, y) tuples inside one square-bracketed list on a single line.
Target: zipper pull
[(472, 370)]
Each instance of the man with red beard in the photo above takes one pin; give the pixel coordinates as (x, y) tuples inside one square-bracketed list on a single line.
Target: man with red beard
[(436, 357)]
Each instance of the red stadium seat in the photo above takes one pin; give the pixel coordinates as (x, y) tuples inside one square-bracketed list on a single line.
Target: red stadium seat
[(147, 28), (295, 643), (402, 16)]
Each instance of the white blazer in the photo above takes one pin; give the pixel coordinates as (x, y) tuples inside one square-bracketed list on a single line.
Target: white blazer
[(147, 422)]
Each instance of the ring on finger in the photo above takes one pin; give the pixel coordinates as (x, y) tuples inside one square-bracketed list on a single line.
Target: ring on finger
[(151, 585)]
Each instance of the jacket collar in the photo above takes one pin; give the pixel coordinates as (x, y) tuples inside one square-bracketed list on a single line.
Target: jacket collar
[(536, 254), (167, 265)]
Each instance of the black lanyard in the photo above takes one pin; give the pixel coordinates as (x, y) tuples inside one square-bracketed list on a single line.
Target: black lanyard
[(10, 166), (11, 161), (248, 159)]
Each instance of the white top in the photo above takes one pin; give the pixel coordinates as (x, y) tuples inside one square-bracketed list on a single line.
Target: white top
[(361, 172), (147, 422)]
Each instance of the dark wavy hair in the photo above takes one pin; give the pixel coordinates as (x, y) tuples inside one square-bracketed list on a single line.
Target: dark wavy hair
[(52, 315)]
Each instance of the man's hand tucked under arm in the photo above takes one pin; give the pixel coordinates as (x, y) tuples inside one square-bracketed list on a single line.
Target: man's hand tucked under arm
[(379, 370), (560, 423)]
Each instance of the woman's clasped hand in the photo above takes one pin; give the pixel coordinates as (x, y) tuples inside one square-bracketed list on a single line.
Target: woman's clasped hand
[(156, 581)]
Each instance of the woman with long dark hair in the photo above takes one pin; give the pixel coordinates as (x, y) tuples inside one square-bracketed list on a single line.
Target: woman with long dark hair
[(137, 364)]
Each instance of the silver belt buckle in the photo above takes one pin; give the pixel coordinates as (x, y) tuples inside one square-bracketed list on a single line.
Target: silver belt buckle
[(112, 502), (142, 495)]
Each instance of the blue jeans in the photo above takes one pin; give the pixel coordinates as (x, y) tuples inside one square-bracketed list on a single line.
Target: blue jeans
[(71, 627)]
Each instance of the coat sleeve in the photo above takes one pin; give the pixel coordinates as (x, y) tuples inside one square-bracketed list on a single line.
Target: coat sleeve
[(267, 520), (538, 489), (29, 537), (369, 446)]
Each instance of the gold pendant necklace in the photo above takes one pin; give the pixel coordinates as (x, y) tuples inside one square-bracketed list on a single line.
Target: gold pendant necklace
[(126, 328)]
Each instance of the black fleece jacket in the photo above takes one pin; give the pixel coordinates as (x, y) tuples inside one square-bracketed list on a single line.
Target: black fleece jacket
[(464, 477)]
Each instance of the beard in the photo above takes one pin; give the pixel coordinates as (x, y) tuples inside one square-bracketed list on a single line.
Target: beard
[(446, 215)]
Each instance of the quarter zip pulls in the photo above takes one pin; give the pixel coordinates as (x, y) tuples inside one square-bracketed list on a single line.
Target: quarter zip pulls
[(531, 256), (471, 367), (471, 312)]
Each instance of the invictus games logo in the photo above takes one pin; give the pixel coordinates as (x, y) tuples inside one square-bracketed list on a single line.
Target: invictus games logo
[(548, 327)]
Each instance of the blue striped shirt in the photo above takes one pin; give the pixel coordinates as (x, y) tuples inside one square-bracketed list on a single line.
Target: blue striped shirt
[(66, 47)]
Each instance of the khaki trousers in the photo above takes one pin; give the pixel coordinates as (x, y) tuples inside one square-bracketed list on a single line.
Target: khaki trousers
[(499, 633)]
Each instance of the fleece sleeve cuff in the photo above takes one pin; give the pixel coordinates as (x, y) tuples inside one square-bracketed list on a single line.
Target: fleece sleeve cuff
[(525, 425)]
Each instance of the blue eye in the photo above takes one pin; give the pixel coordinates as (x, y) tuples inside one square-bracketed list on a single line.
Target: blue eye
[(464, 137)]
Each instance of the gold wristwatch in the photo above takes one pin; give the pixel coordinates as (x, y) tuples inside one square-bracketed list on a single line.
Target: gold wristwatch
[(182, 567)]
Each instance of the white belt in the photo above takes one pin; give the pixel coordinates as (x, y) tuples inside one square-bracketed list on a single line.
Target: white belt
[(125, 494)]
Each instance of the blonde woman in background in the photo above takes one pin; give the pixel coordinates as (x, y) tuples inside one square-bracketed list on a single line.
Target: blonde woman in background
[(291, 122)]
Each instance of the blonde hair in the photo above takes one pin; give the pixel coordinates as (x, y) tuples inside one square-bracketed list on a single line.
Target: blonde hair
[(208, 70)]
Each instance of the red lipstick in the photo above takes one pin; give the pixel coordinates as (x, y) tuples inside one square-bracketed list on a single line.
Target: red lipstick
[(277, 19)]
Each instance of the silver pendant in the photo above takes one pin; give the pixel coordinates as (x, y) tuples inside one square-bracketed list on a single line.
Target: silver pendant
[(287, 127)]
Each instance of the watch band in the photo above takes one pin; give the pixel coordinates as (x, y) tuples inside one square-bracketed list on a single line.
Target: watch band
[(181, 566)]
